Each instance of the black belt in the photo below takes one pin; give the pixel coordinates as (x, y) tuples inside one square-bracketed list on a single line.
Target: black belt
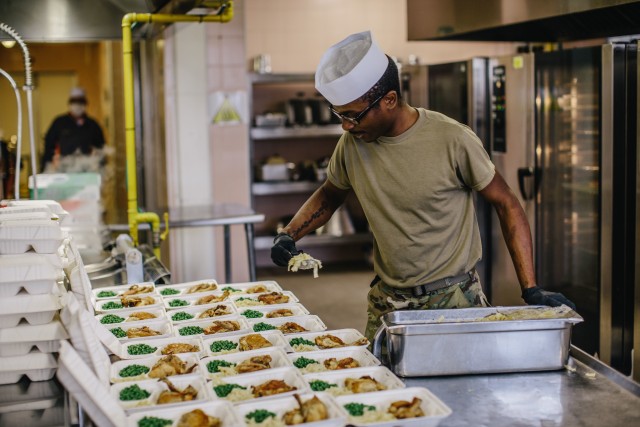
[(420, 290)]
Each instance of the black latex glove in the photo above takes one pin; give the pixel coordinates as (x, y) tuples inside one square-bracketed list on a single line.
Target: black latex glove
[(536, 296), (283, 249)]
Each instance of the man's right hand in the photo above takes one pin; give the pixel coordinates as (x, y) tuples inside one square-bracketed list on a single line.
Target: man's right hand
[(283, 249)]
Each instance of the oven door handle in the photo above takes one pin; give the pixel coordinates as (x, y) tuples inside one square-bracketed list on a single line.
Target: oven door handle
[(527, 190)]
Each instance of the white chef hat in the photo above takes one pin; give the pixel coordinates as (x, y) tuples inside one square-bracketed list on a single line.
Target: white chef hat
[(77, 94), (350, 68)]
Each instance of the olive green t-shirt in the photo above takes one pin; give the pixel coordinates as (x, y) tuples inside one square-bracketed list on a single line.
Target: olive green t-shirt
[(415, 190)]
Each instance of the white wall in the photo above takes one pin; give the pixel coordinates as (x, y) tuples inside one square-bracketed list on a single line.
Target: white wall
[(297, 32)]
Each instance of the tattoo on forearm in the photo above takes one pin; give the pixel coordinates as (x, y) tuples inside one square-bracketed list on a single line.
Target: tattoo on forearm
[(317, 214)]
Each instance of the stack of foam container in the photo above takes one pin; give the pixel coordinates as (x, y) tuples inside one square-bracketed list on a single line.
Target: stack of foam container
[(30, 290)]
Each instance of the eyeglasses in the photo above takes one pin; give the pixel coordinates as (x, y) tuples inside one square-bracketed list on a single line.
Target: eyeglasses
[(356, 119)]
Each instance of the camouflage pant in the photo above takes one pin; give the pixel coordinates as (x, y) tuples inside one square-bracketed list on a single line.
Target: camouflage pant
[(384, 299)]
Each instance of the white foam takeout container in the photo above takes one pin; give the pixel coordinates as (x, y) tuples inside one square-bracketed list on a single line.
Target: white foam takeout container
[(36, 365), (237, 299), (289, 375), (161, 325), (192, 300), (182, 288), (224, 411), (274, 337), (99, 304), (21, 339), (160, 344), (191, 360), (44, 236), (362, 355), (346, 335), (197, 310), (278, 360), (435, 410), (33, 272), (296, 308), (125, 314), (35, 309), (379, 373), (244, 327), (121, 289), (25, 205), (156, 387), (243, 287), (311, 323), (282, 405)]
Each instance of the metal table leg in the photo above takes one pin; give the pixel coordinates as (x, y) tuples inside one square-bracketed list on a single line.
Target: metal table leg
[(248, 227)]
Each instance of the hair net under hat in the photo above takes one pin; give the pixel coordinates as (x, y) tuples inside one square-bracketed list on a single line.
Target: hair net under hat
[(350, 68)]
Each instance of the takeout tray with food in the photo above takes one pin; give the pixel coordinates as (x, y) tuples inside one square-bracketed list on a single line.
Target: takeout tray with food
[(196, 414), (252, 287), (146, 302), (145, 329), (321, 410), (369, 379), (209, 298), (326, 340), (273, 311), (229, 325), (214, 346), (161, 347), (170, 392), (200, 312), (188, 288), (267, 384), (154, 367), (330, 360), (108, 292), (418, 405), (476, 340), (289, 325), (246, 362), (131, 315), (263, 299)]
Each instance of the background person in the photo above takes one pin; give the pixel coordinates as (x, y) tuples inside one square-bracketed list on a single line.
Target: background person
[(414, 172), (72, 138)]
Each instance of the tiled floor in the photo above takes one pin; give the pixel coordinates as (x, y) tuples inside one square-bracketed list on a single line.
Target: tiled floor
[(338, 296)]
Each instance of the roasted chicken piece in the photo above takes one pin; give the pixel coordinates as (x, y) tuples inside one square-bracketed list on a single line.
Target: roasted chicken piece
[(346, 363), (173, 395), (256, 289), (197, 418), (402, 409), (253, 342), (137, 289), (270, 388), (256, 363), (273, 298), (218, 310), (170, 365), (219, 326), (291, 328), (283, 312), (140, 315), (364, 384), (361, 341), (175, 348), (143, 331), (136, 301), (307, 412), (329, 341), (202, 287), (210, 299)]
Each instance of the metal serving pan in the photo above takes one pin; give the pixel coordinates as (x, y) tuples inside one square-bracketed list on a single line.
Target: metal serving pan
[(462, 341)]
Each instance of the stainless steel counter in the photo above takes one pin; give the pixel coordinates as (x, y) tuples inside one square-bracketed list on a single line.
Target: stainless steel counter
[(592, 395)]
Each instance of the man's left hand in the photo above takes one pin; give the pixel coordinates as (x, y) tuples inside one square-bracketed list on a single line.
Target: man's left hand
[(537, 296)]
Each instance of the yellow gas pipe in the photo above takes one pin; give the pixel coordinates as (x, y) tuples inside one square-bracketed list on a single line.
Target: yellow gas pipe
[(225, 15)]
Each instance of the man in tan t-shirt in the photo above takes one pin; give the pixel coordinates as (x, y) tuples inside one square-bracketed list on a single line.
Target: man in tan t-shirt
[(414, 172)]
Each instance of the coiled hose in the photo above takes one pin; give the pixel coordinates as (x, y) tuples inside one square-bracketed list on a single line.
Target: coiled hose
[(19, 104)]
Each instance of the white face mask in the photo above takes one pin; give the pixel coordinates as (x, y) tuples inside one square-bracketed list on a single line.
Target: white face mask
[(77, 109)]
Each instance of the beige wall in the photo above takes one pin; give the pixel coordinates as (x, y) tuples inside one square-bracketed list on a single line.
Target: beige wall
[(297, 32)]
